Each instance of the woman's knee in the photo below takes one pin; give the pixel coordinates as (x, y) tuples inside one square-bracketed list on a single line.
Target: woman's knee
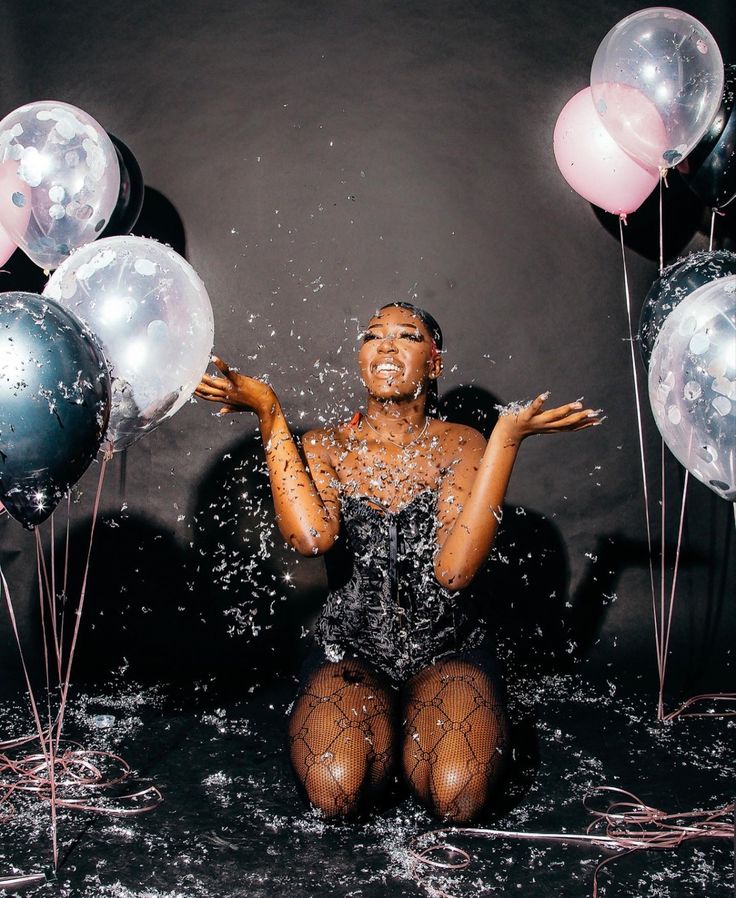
[(455, 780), (455, 739), (340, 734)]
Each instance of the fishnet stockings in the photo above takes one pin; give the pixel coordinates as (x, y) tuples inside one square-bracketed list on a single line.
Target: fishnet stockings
[(455, 738), (340, 733)]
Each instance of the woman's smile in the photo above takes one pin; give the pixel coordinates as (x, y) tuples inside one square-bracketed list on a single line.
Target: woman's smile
[(389, 368)]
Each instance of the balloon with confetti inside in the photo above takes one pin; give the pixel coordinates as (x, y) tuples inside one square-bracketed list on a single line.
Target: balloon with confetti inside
[(692, 384), (54, 404), (153, 318), (671, 65), (676, 282), (60, 181)]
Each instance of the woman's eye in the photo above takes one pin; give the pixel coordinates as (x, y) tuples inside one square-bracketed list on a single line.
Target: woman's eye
[(417, 338), (367, 336)]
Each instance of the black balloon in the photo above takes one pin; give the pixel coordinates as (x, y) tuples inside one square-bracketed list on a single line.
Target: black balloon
[(710, 168), (130, 198), (675, 283), (54, 404)]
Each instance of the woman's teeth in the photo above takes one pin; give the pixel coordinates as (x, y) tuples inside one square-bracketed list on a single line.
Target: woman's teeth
[(387, 367)]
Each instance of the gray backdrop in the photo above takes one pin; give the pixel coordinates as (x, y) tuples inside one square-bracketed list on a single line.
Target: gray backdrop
[(315, 160)]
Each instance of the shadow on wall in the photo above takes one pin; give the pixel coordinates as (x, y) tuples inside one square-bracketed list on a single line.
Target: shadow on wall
[(160, 220), (683, 216), (137, 614), (258, 589), (221, 611), (523, 592)]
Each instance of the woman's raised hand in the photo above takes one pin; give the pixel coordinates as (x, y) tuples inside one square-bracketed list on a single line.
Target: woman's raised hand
[(235, 391), (518, 423)]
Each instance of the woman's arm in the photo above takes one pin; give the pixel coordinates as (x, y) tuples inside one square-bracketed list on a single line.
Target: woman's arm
[(307, 517), (473, 490)]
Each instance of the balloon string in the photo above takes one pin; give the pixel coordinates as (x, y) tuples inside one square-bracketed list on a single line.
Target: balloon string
[(664, 632), (66, 567), (712, 229), (46, 749), (676, 567), (46, 590), (50, 754), (55, 768), (667, 632), (662, 182), (625, 825), (42, 609), (122, 480), (80, 606), (727, 697), (641, 449), (11, 884), (53, 588)]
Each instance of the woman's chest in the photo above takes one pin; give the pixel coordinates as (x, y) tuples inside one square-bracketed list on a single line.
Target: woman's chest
[(391, 476)]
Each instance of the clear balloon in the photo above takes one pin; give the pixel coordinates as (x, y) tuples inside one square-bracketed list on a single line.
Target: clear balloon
[(54, 404), (672, 286), (62, 182), (674, 71), (153, 318), (7, 246), (17, 213), (692, 384), (594, 165)]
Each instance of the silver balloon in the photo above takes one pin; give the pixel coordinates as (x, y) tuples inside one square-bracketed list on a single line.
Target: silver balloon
[(657, 80), (59, 179), (54, 404), (692, 384), (152, 316)]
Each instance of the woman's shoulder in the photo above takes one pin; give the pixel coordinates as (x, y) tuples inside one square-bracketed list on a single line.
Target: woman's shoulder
[(327, 437), (452, 434)]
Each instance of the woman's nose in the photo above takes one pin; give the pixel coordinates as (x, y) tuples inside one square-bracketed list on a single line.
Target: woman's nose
[(387, 344)]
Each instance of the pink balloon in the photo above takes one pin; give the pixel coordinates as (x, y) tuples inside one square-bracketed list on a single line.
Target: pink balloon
[(593, 164), (15, 202), (7, 248)]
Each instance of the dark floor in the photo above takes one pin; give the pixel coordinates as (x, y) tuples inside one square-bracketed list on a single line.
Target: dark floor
[(232, 823)]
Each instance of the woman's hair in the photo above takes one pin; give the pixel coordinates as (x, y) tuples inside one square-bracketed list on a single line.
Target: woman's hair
[(435, 331)]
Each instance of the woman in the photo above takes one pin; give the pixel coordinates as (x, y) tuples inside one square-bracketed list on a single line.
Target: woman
[(400, 676)]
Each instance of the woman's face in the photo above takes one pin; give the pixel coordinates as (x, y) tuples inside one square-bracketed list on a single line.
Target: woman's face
[(396, 358)]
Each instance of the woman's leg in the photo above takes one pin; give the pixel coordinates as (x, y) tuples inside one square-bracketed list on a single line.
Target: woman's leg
[(455, 737), (341, 737)]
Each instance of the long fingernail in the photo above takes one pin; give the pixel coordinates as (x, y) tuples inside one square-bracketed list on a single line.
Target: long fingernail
[(593, 413), (576, 404), (600, 421), (545, 395), (580, 399)]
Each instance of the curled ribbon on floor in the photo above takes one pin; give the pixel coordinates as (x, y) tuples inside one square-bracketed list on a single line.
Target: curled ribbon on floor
[(83, 781), (625, 825)]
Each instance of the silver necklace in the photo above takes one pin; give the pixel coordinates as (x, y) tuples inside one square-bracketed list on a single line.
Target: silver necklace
[(386, 439)]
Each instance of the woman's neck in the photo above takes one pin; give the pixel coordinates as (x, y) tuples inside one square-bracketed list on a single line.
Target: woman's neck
[(396, 418)]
